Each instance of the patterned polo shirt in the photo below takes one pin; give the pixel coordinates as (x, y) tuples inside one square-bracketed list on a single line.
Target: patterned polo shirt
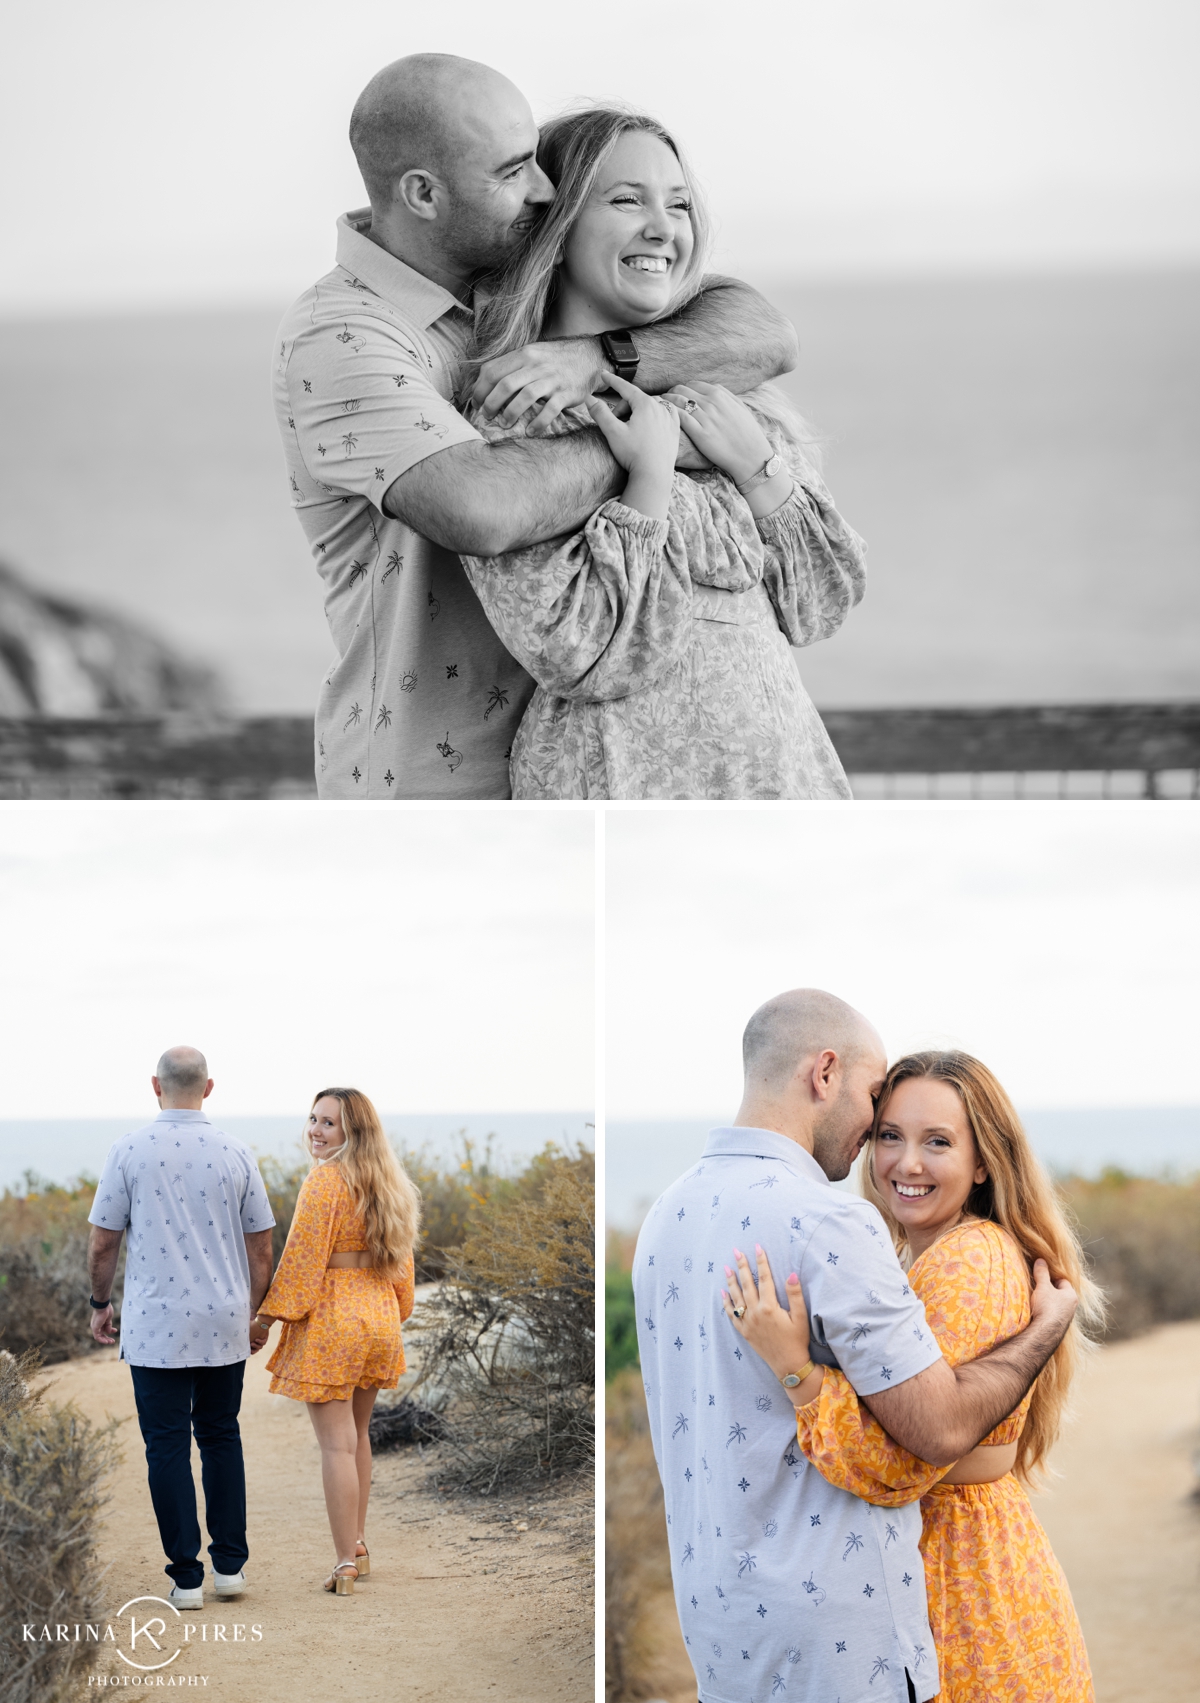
[(787, 1588), (188, 1196), (424, 700)]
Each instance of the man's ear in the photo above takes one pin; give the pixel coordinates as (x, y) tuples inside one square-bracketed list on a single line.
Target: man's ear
[(208, 1088), (825, 1071), (421, 193), (157, 1087)]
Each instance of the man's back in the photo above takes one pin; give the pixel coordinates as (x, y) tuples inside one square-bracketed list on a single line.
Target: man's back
[(786, 1587), (188, 1196)]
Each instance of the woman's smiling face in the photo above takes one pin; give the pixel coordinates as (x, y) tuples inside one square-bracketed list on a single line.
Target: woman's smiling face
[(325, 1132), (925, 1158), (629, 247)]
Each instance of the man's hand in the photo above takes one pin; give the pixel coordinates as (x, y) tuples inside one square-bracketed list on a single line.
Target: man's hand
[(259, 1336), (539, 381), (102, 1325), (1052, 1303)]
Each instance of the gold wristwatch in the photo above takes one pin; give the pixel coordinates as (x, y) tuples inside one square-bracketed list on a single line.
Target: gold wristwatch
[(794, 1378)]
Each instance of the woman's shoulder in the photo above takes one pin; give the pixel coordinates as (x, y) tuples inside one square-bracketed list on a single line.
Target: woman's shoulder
[(323, 1182), (978, 1241)]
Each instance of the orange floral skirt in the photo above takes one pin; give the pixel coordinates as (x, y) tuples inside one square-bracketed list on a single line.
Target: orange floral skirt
[(350, 1340), (999, 1606)]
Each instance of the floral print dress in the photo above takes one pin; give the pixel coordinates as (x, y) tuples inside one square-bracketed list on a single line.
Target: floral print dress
[(999, 1605), (342, 1326), (663, 650)]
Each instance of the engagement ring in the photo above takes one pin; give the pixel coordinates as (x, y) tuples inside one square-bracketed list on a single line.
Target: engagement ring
[(690, 404), (738, 1311)]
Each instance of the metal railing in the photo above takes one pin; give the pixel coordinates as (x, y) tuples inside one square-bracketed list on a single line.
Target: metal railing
[(1056, 751)]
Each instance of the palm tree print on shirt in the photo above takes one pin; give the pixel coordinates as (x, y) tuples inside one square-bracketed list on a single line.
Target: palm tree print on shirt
[(395, 563), (497, 700), (355, 716)]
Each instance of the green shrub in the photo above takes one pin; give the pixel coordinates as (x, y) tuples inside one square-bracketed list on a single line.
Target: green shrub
[(53, 1461), (620, 1322)]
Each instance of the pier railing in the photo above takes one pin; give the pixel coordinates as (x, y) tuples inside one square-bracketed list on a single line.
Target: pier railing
[(1048, 751)]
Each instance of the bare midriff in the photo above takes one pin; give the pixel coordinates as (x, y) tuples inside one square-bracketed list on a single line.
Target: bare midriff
[(350, 1262), (984, 1465)]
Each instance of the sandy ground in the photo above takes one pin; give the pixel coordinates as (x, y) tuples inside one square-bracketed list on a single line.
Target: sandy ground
[(1121, 1516), (460, 1603)]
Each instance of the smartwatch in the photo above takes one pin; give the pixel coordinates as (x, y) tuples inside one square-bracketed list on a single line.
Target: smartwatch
[(620, 351)]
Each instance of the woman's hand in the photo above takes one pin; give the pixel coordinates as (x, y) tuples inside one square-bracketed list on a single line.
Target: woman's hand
[(645, 445), (780, 1335), (722, 428), (259, 1334)]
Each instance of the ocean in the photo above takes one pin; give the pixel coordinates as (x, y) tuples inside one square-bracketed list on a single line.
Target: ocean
[(58, 1150), (1019, 454), (642, 1158)]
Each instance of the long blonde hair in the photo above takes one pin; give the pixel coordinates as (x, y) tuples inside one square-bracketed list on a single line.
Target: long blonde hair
[(379, 1185), (1017, 1195)]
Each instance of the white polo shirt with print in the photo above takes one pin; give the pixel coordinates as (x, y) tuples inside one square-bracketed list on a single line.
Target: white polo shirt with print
[(787, 1588)]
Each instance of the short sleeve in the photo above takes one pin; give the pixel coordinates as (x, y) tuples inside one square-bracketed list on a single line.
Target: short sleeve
[(110, 1208), (364, 407), (861, 1305), (256, 1207)]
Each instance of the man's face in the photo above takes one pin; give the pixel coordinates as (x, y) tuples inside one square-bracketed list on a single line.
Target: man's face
[(496, 190), (842, 1132)]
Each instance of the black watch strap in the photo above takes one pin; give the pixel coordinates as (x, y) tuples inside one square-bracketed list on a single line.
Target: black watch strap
[(621, 353), (100, 1305)]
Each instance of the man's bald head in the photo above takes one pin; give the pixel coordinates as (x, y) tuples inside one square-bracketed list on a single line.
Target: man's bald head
[(182, 1075), (799, 1025), (428, 112)]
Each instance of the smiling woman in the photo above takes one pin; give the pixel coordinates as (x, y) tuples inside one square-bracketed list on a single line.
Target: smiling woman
[(659, 633)]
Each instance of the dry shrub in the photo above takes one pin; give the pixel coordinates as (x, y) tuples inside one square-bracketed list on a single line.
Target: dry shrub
[(1141, 1236), (638, 1605), (43, 1269), (52, 1463), (509, 1349)]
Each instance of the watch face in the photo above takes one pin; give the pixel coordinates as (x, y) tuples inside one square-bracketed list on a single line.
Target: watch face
[(773, 466), (791, 1380), (620, 347)]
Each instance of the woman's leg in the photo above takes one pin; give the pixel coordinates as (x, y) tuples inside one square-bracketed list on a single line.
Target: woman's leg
[(364, 1401), (333, 1422)]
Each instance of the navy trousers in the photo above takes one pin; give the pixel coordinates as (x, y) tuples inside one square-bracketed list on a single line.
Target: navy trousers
[(173, 1403)]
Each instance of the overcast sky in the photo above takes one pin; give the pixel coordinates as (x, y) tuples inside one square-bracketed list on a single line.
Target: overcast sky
[(440, 960), (1059, 944), (189, 154)]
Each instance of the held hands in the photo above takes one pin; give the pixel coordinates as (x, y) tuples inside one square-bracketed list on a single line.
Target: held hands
[(259, 1335), (779, 1334), (539, 381), (102, 1325), (721, 427)]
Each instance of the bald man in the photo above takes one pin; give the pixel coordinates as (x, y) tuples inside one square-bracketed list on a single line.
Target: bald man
[(197, 1267), (785, 1584), (390, 482)]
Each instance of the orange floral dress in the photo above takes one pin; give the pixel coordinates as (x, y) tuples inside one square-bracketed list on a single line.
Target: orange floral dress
[(342, 1326), (999, 1606)]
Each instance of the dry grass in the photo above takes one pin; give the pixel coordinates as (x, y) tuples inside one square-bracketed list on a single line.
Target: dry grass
[(52, 1463), (1142, 1240)]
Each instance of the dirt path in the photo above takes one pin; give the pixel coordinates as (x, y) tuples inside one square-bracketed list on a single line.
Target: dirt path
[(459, 1604), (1121, 1517), (1123, 1521)]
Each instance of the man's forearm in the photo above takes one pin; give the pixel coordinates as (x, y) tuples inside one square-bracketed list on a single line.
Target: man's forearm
[(488, 498), (729, 334), (103, 1252), (260, 1258), (943, 1412)]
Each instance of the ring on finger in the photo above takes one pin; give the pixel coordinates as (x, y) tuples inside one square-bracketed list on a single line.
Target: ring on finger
[(691, 404), (738, 1311)]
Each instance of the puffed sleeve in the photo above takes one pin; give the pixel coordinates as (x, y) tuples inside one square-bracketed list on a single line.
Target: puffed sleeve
[(852, 1451), (816, 567), (597, 615), (404, 1289), (297, 1284)]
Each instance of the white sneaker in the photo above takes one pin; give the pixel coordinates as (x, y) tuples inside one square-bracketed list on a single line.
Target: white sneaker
[(228, 1584), (187, 1599)]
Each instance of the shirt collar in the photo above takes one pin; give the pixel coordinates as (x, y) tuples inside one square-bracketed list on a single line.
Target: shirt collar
[(763, 1144), (181, 1115), (419, 299)]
